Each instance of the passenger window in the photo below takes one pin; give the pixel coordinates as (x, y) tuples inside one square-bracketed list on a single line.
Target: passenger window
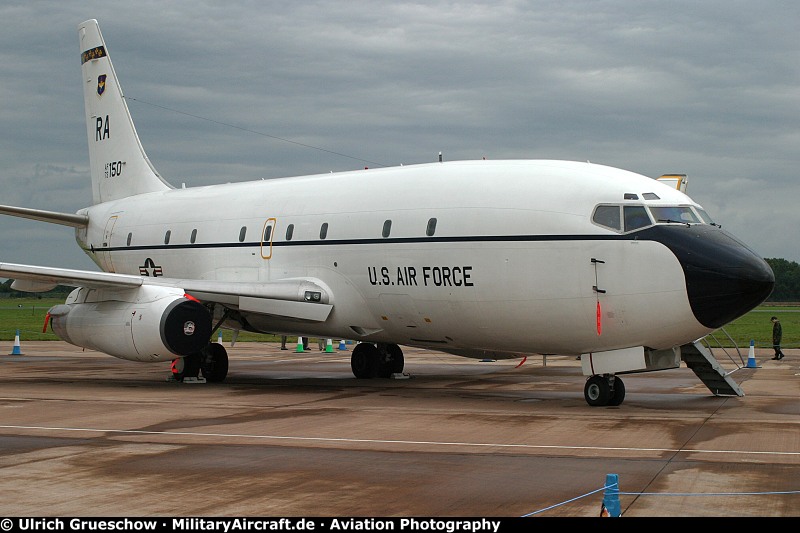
[(167, 236), (242, 233), (387, 228), (194, 236), (323, 231), (289, 232), (267, 233), (635, 217), (130, 236), (608, 216), (431, 229)]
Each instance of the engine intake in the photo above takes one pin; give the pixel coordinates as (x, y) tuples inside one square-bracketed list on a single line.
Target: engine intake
[(142, 324)]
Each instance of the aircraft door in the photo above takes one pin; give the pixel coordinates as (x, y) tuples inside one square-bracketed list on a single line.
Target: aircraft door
[(267, 235), (103, 254)]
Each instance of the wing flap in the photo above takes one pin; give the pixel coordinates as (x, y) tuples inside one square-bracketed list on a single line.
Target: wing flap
[(284, 308), (29, 285)]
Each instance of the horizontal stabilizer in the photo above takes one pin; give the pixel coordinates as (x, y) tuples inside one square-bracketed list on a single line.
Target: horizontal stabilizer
[(53, 217)]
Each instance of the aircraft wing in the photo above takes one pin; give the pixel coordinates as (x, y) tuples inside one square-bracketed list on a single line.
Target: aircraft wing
[(303, 298)]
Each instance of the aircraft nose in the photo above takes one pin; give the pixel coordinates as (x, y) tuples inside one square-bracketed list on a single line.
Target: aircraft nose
[(724, 277)]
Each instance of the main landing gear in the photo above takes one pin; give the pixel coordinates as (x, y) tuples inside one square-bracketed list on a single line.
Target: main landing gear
[(211, 362), (604, 390), (376, 361)]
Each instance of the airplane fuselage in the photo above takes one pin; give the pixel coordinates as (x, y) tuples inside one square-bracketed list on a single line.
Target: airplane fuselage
[(501, 256)]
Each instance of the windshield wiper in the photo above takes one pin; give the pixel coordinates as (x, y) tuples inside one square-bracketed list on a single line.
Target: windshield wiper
[(669, 221)]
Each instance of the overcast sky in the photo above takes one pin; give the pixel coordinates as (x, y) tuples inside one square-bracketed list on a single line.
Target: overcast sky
[(217, 90)]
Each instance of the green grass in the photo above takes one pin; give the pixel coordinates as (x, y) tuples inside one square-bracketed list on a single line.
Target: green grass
[(756, 326), (27, 315)]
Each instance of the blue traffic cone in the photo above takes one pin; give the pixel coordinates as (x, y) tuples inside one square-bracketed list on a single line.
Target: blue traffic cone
[(751, 355), (17, 350), (342, 345)]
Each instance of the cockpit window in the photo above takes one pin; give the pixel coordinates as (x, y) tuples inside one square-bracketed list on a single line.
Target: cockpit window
[(608, 216), (636, 217), (622, 218), (625, 218), (681, 214), (704, 216)]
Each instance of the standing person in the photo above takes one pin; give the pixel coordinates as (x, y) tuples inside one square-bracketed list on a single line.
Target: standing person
[(283, 342), (777, 335)]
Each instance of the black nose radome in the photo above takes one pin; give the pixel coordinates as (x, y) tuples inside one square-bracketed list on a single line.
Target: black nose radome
[(724, 277)]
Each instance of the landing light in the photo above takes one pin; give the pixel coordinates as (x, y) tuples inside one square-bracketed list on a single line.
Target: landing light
[(312, 296)]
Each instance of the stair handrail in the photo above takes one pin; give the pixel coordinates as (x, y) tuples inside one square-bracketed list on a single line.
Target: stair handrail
[(741, 363)]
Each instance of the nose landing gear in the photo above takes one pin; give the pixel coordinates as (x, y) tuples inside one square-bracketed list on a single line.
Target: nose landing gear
[(604, 390)]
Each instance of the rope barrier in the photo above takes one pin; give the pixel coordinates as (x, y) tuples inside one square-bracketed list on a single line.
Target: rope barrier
[(612, 493)]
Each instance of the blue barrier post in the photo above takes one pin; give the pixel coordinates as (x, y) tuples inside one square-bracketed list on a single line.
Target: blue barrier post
[(611, 506)]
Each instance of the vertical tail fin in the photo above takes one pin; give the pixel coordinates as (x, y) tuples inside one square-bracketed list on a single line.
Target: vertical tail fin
[(119, 165)]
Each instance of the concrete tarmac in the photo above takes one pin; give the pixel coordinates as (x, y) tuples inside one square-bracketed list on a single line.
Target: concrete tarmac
[(295, 434)]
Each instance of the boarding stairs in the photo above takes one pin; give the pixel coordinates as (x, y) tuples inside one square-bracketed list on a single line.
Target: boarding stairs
[(698, 357)]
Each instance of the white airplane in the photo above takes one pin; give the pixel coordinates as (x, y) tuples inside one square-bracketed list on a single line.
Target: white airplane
[(481, 259)]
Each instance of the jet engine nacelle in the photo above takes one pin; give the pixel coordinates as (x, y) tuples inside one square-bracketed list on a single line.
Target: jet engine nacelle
[(146, 323)]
